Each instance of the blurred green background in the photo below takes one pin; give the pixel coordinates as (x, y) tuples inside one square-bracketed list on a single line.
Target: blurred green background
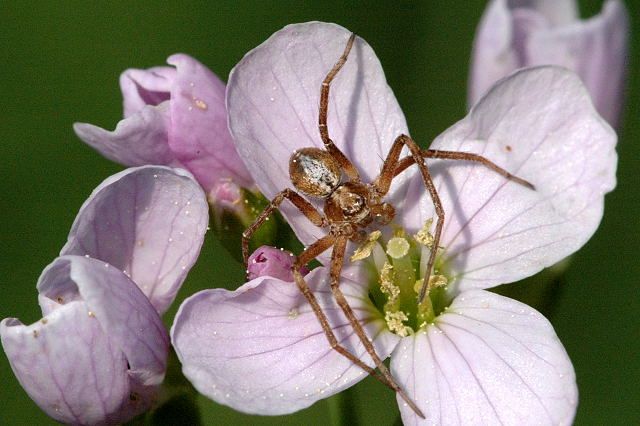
[(60, 63)]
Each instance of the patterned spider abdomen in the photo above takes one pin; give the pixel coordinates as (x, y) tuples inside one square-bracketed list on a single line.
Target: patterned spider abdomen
[(314, 172)]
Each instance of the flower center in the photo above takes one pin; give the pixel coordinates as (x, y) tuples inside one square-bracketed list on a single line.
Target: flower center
[(397, 275)]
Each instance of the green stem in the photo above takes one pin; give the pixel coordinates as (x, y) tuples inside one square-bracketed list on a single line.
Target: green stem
[(341, 409)]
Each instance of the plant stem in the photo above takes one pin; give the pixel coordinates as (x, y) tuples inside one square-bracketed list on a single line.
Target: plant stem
[(341, 409)]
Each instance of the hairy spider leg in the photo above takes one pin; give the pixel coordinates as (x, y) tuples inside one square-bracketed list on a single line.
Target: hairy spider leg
[(464, 156), (305, 257), (383, 183), (417, 157), (297, 200), (347, 166), (313, 251), (337, 261)]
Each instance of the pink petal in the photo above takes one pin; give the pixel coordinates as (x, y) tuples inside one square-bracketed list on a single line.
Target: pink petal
[(520, 34), (540, 125), (273, 98), (199, 136), (145, 87), (261, 349), (56, 368), (149, 222), (558, 12), (175, 117), (596, 49), (487, 360), (138, 140), (100, 341)]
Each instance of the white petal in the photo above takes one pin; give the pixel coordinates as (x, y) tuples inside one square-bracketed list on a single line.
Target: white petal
[(540, 125), (261, 349), (487, 360), (273, 100), (149, 222)]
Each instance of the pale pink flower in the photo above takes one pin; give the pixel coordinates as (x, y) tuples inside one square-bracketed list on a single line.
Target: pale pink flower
[(480, 358), (523, 33), (175, 117), (99, 352)]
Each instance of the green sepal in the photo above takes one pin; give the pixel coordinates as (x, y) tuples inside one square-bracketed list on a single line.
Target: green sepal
[(177, 400)]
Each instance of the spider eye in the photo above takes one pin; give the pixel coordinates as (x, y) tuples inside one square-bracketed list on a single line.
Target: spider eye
[(314, 172)]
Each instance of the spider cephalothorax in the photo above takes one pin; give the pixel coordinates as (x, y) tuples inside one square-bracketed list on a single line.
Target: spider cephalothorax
[(350, 206)]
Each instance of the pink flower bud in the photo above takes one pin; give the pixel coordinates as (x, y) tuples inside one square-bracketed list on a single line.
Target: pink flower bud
[(273, 262)]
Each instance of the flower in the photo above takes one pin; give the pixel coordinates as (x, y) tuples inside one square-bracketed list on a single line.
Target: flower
[(516, 34), (465, 356), (269, 261), (100, 350), (176, 117)]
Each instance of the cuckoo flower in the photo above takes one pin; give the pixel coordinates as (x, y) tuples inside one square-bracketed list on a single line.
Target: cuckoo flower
[(99, 353), (148, 222), (465, 355), (176, 117), (522, 33)]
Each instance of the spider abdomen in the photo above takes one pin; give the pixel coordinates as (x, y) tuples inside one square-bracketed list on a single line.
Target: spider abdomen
[(314, 172)]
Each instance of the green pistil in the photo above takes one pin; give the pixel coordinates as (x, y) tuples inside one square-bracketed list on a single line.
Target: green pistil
[(398, 283), (404, 273)]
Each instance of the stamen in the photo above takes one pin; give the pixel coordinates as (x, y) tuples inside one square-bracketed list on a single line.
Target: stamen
[(435, 281), (399, 282), (424, 236), (388, 287), (426, 313), (395, 321), (366, 248)]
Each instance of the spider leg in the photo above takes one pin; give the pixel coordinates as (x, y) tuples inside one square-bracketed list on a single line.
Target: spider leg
[(313, 251), (344, 162), (383, 183), (337, 260), (465, 156), (297, 200)]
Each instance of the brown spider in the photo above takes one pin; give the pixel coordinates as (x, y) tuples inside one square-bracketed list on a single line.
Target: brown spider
[(350, 206)]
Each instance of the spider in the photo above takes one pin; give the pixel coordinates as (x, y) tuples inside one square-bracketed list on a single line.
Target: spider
[(350, 206)]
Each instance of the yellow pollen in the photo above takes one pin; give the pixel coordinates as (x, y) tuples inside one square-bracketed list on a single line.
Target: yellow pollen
[(397, 247), (395, 321), (386, 282), (424, 236), (200, 104), (366, 248), (435, 281)]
